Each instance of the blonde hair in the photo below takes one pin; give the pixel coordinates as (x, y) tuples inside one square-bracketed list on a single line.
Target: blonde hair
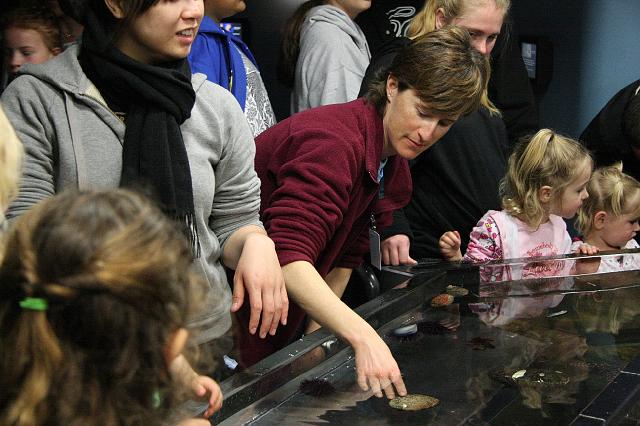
[(10, 162), (116, 275), (447, 74), (425, 21), (611, 191), (544, 159)]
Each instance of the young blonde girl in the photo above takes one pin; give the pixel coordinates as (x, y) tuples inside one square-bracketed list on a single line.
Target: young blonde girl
[(609, 218), (545, 182), (95, 289)]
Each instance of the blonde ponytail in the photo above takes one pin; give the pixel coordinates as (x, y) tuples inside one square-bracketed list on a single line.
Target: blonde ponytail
[(612, 191), (544, 159)]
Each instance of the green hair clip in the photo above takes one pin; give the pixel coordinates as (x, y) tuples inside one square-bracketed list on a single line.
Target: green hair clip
[(34, 303), (156, 399)]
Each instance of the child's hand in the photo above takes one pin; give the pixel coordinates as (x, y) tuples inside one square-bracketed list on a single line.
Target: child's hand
[(181, 371), (587, 249), (450, 245), (207, 389), (589, 265), (194, 422), (395, 251)]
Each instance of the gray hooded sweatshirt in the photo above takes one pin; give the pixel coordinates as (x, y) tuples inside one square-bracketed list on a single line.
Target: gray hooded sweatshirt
[(73, 140), (333, 58)]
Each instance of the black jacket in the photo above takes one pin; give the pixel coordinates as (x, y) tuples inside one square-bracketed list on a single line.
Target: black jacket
[(604, 136)]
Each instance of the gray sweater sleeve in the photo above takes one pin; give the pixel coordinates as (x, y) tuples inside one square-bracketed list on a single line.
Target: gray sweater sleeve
[(331, 69), (30, 117), (237, 188)]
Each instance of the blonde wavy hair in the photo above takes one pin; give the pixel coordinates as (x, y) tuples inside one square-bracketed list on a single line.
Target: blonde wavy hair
[(612, 191), (425, 21), (10, 162), (544, 159), (116, 275)]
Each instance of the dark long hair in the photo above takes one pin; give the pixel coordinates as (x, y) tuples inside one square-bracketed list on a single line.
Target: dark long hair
[(290, 43), (77, 10)]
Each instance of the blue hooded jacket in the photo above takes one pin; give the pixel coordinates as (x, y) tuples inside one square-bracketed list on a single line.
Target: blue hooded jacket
[(215, 53)]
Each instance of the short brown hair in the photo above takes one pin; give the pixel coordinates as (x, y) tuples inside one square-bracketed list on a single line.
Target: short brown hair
[(442, 67)]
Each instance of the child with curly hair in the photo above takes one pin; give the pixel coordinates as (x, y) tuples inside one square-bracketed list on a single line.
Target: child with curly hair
[(95, 290)]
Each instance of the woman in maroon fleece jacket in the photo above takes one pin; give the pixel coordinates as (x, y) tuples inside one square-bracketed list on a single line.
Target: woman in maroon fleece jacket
[(328, 171)]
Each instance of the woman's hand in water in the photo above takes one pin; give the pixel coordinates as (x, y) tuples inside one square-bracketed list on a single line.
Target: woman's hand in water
[(376, 369), (450, 243)]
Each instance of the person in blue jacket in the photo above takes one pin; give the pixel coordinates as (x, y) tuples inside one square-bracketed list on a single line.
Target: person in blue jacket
[(227, 61)]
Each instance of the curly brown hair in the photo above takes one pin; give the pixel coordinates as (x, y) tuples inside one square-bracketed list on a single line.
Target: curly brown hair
[(116, 276)]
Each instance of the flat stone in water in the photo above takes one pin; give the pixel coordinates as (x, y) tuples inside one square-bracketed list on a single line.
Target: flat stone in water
[(413, 402), (542, 378), (456, 291), (441, 300)]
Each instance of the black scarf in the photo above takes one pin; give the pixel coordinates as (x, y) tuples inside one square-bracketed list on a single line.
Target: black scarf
[(157, 99)]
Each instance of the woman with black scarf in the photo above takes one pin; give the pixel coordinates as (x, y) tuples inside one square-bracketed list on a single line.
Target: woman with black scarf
[(123, 109)]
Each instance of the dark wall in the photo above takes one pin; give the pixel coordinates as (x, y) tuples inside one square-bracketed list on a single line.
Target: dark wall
[(267, 18), (595, 52)]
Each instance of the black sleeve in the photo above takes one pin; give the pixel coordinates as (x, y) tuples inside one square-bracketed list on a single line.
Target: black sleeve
[(400, 225), (509, 87), (604, 136)]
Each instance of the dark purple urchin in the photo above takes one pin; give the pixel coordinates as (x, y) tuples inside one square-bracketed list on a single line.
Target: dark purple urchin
[(317, 387), (433, 328), (428, 328), (408, 337), (481, 343)]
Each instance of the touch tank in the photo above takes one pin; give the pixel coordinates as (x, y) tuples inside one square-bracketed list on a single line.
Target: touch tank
[(523, 342)]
